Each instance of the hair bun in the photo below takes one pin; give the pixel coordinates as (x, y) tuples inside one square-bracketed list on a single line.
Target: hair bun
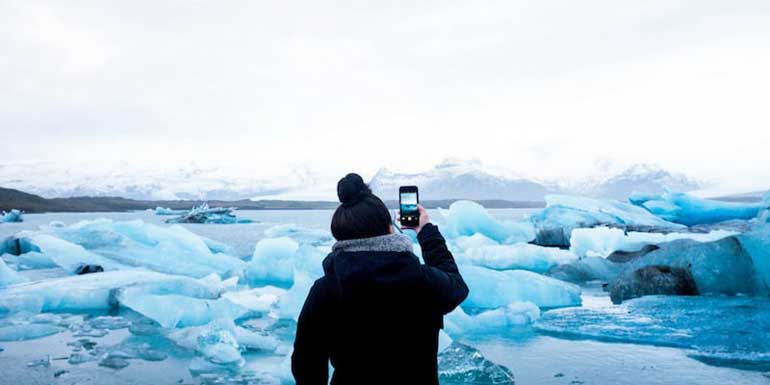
[(351, 189)]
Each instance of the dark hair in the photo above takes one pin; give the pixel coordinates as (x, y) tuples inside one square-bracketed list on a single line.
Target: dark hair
[(361, 214)]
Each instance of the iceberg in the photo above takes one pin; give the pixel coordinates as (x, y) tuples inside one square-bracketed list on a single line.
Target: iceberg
[(205, 214), (564, 213), (167, 211), (27, 331), (272, 262), (718, 267), (587, 269), (221, 341), (458, 322), (99, 291), (462, 364), (132, 244), (174, 311), (603, 241), (491, 289), (689, 210), (469, 218), (756, 243), (11, 216), (521, 256), (9, 276)]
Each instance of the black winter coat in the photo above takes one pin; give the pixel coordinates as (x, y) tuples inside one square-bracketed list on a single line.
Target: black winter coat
[(376, 314)]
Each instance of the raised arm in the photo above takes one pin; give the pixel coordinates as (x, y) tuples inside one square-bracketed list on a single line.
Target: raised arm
[(440, 270)]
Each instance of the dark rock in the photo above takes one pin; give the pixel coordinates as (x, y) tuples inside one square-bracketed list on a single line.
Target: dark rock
[(462, 364), (653, 280), (627, 256), (88, 269)]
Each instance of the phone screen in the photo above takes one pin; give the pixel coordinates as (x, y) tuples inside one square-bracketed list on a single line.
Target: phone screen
[(408, 200)]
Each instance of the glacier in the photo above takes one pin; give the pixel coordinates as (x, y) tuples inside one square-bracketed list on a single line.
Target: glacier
[(689, 210)]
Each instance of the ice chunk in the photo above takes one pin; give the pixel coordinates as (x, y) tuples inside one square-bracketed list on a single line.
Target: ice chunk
[(602, 241), (273, 262), (26, 331), (587, 269), (727, 327), (9, 276), (469, 218), (205, 214), (221, 341), (167, 211), (718, 267), (261, 299), (113, 245), (689, 210), (492, 289), (564, 213), (11, 216), (462, 364), (97, 291), (290, 304), (172, 311), (458, 322), (757, 244), (518, 256)]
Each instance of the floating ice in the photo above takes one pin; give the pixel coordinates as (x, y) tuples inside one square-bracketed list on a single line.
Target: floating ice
[(11, 216), (689, 210), (221, 341), (518, 256), (732, 328), (602, 241), (167, 211), (261, 300), (117, 245), (273, 262), (9, 276), (757, 244), (204, 214), (718, 267), (564, 213), (172, 310), (98, 291), (462, 364), (586, 269), (26, 331), (458, 322), (468, 218), (302, 235), (493, 289)]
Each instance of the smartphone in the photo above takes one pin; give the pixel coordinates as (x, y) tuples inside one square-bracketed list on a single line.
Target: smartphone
[(408, 198)]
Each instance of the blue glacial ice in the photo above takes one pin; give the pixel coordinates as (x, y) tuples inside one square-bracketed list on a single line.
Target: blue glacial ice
[(757, 244), (174, 310), (564, 213), (11, 216), (458, 322), (468, 218), (167, 211), (603, 241), (521, 256), (273, 262), (205, 214), (27, 331), (689, 210), (9, 276), (717, 328), (118, 245), (492, 289)]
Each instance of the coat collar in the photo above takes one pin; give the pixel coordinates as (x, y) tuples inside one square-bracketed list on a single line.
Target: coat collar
[(389, 242)]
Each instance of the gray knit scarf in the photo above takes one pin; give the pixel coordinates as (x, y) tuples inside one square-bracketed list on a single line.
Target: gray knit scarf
[(389, 242)]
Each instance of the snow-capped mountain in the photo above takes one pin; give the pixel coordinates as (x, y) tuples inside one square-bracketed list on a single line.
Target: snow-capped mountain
[(54, 180), (639, 178), (450, 179), (454, 179)]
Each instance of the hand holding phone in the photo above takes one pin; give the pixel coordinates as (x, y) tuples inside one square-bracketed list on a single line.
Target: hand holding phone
[(411, 214)]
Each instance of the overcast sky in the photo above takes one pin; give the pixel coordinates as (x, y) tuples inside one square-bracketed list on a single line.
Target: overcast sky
[(549, 88)]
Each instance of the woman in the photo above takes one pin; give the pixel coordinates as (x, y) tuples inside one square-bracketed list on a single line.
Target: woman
[(377, 311)]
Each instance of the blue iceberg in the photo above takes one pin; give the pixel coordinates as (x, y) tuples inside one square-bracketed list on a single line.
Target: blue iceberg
[(491, 289), (9, 276), (519, 256), (206, 214), (564, 213), (469, 218), (11, 216), (689, 210), (167, 211)]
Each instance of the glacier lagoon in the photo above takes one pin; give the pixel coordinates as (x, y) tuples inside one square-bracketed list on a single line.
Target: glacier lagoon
[(557, 333)]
